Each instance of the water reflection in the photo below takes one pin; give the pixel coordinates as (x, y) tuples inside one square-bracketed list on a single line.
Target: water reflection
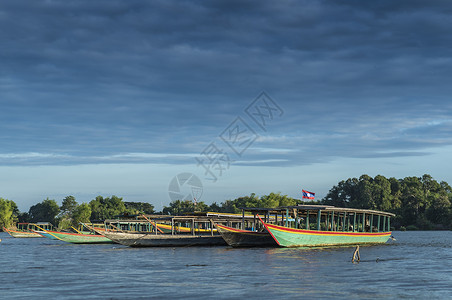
[(417, 265)]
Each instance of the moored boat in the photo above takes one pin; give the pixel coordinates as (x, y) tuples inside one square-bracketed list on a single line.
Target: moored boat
[(78, 238), (147, 239), (27, 230), (21, 234), (245, 238), (188, 230), (317, 225)]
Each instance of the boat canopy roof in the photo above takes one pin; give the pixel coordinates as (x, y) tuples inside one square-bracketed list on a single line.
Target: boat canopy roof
[(323, 208)]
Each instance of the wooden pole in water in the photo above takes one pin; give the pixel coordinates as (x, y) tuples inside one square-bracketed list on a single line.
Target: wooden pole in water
[(356, 256)]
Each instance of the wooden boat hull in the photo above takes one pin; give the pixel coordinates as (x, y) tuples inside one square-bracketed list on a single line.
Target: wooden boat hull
[(21, 234), (77, 238), (245, 238), (167, 229), (163, 240), (291, 237)]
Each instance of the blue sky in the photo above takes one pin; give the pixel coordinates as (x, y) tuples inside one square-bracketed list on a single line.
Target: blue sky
[(119, 97)]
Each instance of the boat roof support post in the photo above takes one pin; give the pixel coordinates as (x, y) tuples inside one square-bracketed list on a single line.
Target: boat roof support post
[(348, 221), (389, 223), (193, 226), (371, 222), (172, 227), (287, 217), (254, 221), (243, 218), (327, 221), (378, 222), (343, 221), (319, 215), (307, 220), (211, 227), (364, 222), (155, 227), (354, 221), (332, 221), (338, 220)]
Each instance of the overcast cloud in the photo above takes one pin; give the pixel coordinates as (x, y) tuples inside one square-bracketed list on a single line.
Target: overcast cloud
[(94, 82)]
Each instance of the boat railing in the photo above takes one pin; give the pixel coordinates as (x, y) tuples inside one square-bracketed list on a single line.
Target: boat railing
[(323, 218)]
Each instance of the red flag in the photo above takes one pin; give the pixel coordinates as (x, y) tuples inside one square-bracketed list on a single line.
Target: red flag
[(308, 195)]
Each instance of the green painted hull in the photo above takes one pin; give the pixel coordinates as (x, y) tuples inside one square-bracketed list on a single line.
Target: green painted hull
[(291, 237), (76, 238)]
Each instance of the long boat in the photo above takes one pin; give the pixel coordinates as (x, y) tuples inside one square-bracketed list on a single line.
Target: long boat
[(245, 238), (189, 230), (143, 224), (147, 239), (78, 238), (166, 228), (317, 225), (27, 230), (21, 234)]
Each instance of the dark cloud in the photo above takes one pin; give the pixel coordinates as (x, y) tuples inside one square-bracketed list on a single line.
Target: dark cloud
[(95, 78)]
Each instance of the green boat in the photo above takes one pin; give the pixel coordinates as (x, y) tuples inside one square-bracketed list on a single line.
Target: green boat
[(319, 226), (78, 238), (27, 230)]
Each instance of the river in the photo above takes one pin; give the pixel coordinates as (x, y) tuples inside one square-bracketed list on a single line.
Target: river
[(418, 265)]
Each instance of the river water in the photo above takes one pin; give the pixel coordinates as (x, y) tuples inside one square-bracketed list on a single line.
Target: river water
[(418, 265)]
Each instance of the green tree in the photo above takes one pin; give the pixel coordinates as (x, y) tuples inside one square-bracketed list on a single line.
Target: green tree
[(68, 206), (366, 197), (179, 207), (419, 201), (345, 194), (413, 199), (8, 211), (23, 217), (139, 207), (106, 208), (215, 207), (81, 214), (382, 193), (247, 201), (229, 206), (396, 194), (270, 200), (276, 199), (46, 211)]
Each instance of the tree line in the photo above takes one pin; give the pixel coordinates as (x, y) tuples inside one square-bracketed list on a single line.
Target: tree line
[(71, 213), (417, 202)]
